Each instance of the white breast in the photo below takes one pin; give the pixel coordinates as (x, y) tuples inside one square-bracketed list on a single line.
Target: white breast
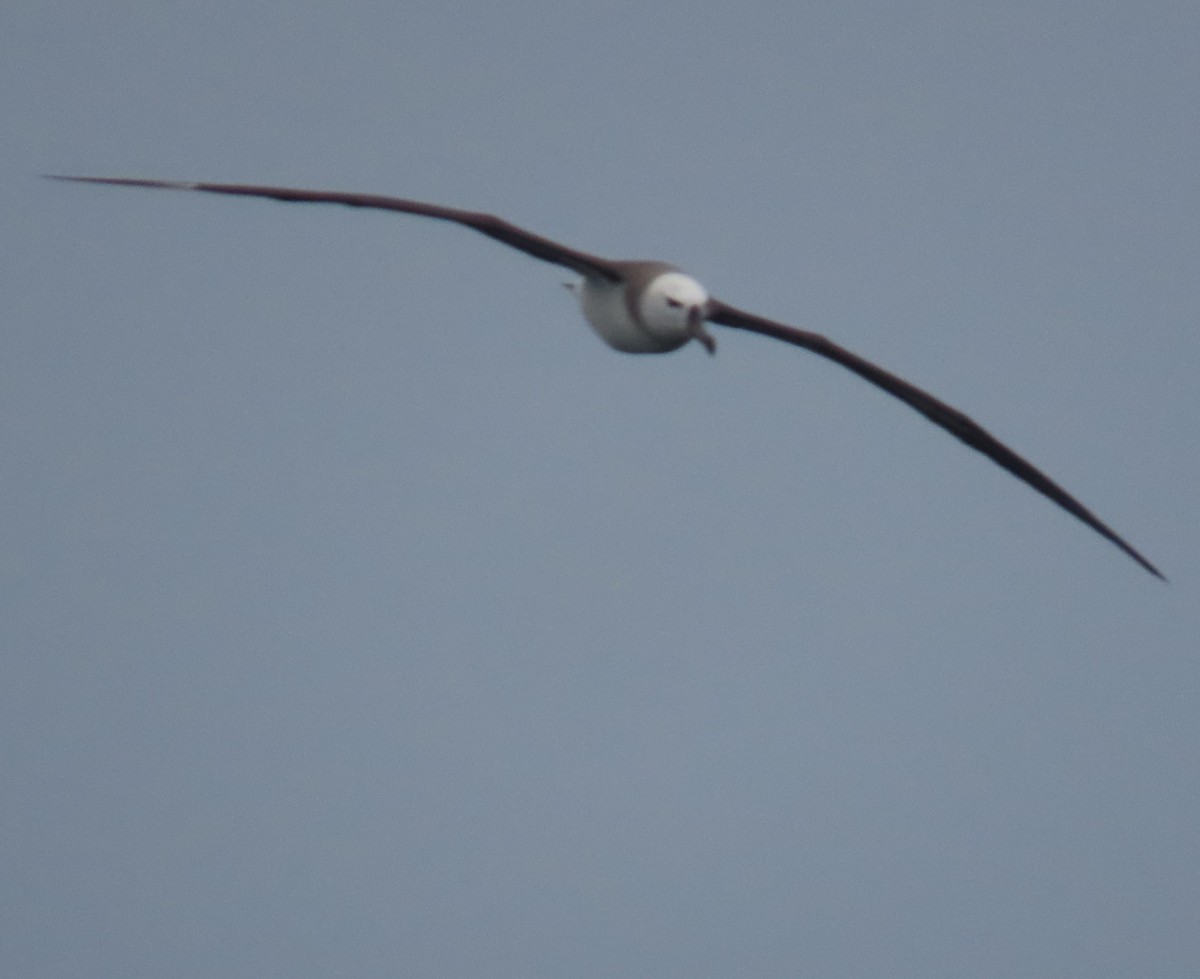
[(647, 312)]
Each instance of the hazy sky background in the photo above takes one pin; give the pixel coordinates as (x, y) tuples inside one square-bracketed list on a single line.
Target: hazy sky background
[(362, 614)]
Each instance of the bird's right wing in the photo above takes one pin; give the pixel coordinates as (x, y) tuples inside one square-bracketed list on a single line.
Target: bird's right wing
[(488, 224)]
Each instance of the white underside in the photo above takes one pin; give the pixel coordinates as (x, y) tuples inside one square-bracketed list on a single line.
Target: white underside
[(604, 307), (607, 310)]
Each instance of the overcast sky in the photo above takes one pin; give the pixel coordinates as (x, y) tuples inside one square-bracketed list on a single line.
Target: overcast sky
[(363, 614)]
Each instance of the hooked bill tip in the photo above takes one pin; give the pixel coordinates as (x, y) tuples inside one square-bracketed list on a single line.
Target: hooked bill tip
[(696, 329)]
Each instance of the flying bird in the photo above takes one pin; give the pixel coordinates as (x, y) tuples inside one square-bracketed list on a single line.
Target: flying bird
[(654, 307)]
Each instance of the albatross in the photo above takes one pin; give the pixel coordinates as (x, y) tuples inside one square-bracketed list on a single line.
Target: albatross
[(654, 307)]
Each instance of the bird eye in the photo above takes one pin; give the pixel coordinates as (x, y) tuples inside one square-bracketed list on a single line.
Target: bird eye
[(673, 303)]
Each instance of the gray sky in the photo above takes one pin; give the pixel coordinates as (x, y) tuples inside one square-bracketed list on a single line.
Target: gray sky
[(364, 615)]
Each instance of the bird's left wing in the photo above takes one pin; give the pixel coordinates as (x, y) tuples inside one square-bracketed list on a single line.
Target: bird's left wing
[(937, 411)]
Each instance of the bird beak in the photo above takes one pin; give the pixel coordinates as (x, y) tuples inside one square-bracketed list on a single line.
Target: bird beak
[(696, 329)]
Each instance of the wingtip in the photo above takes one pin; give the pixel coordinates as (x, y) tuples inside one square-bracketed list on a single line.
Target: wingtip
[(1157, 574), (74, 178), (1134, 553), (124, 181)]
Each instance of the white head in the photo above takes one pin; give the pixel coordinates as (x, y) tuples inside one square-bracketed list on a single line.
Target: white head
[(652, 308), (674, 305)]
